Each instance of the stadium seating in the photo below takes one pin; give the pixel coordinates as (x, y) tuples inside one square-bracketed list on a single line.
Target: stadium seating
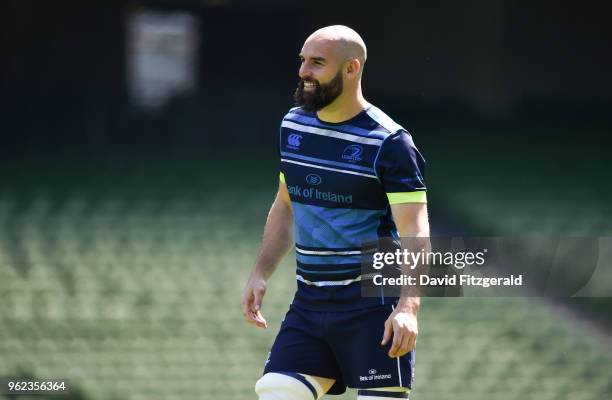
[(129, 288)]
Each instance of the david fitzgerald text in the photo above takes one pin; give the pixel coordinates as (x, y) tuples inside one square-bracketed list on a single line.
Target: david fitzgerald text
[(448, 280)]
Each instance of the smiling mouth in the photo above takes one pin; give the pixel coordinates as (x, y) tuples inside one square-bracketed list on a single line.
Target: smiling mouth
[(309, 85)]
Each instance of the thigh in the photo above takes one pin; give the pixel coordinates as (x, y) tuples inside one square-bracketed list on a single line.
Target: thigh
[(355, 340), (299, 347)]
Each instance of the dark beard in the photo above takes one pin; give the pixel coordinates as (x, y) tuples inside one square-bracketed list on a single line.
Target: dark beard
[(321, 96)]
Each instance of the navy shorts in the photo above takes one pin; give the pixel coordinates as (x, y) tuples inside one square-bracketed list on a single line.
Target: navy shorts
[(344, 346)]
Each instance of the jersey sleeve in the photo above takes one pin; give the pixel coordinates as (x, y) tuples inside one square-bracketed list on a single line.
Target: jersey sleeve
[(281, 172), (400, 168)]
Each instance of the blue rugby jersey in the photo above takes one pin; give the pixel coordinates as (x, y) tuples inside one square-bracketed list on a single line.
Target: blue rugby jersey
[(341, 178)]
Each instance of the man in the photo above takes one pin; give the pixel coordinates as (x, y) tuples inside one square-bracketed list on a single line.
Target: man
[(349, 175)]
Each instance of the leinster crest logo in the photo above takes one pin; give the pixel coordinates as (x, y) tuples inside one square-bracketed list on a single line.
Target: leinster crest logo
[(352, 153)]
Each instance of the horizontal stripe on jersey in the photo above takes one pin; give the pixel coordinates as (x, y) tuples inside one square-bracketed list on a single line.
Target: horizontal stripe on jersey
[(368, 248), (334, 282), (314, 122), (322, 162), (335, 228), (340, 259), (339, 168), (331, 133)]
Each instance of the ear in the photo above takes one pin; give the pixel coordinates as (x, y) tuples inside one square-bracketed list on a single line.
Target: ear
[(353, 66)]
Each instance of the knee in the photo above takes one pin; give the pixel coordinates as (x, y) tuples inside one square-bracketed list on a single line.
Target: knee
[(285, 386)]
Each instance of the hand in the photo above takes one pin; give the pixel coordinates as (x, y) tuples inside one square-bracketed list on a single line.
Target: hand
[(251, 301), (403, 326)]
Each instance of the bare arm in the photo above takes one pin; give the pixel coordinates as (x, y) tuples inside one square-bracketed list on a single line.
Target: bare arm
[(276, 243), (411, 221)]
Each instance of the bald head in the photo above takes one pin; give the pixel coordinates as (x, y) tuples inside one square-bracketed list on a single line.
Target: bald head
[(331, 65), (343, 40)]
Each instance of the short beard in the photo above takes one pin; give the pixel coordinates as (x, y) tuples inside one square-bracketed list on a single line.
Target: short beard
[(321, 96)]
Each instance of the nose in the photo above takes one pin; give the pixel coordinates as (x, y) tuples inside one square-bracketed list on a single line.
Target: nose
[(304, 72)]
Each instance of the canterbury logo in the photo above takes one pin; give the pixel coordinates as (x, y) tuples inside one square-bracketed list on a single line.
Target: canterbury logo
[(294, 140)]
